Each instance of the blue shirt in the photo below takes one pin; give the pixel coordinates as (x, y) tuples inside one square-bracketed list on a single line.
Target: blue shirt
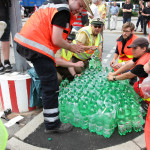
[(114, 10)]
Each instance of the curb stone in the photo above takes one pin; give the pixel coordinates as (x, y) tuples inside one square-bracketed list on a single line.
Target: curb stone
[(125, 146), (30, 127), (15, 144)]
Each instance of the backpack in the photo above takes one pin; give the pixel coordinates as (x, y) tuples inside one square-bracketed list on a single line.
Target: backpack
[(84, 19)]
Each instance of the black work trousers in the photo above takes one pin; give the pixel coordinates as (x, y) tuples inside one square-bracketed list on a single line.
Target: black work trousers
[(140, 20), (46, 71), (145, 22)]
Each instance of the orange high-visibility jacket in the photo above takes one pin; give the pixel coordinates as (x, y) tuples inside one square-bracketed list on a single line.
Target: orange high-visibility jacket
[(127, 51), (36, 34), (141, 61)]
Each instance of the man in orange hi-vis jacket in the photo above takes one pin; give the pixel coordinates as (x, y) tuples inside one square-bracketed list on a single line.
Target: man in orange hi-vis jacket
[(42, 35)]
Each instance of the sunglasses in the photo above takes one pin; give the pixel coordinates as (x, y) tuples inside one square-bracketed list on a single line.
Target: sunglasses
[(69, 39), (97, 26)]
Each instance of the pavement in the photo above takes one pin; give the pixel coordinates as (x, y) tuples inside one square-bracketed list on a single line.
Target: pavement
[(18, 133)]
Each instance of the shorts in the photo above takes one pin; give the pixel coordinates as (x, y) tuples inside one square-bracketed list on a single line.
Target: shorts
[(6, 35)]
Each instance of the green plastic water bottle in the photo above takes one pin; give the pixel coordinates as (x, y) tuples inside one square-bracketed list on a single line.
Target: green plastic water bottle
[(121, 121), (92, 64), (96, 53), (92, 123)]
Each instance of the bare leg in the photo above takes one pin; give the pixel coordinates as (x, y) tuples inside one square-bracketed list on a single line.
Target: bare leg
[(6, 50)]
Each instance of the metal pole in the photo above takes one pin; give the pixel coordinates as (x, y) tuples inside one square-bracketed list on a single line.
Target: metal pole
[(16, 25), (109, 15)]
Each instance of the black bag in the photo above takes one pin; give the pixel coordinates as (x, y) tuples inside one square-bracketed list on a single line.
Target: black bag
[(84, 19)]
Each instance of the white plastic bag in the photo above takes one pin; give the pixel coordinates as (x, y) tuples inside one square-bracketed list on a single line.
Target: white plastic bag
[(3, 25), (145, 86)]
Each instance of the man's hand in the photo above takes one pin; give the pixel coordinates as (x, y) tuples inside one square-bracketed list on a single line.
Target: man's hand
[(79, 64), (110, 77), (112, 63), (77, 48), (78, 75), (110, 73), (100, 58), (93, 47), (117, 66)]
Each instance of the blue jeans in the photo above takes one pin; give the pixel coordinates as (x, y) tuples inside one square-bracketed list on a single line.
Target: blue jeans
[(126, 20)]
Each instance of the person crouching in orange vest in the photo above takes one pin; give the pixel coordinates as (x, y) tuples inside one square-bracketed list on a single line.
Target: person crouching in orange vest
[(43, 34), (141, 55), (123, 53)]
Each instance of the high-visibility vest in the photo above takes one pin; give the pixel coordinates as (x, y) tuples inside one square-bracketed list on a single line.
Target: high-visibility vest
[(66, 55), (36, 34), (102, 8), (141, 61), (86, 54), (127, 51)]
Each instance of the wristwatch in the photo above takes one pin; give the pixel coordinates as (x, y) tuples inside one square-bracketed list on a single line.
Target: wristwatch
[(114, 78)]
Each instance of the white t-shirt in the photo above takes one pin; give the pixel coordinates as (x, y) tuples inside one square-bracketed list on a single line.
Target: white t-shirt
[(95, 11)]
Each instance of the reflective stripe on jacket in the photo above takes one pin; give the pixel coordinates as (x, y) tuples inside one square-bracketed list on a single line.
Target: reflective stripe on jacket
[(86, 54), (36, 34), (66, 55), (127, 51)]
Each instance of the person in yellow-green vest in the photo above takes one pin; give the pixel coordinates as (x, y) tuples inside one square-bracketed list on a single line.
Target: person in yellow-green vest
[(102, 8), (91, 39), (64, 65)]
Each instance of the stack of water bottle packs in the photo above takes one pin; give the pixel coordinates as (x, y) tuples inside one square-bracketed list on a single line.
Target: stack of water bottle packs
[(92, 102)]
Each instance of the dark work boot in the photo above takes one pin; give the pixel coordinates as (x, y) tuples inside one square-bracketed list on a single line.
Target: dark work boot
[(62, 128), (2, 69), (7, 66)]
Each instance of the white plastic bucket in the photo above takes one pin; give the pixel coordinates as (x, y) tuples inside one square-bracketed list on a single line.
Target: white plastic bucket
[(3, 25)]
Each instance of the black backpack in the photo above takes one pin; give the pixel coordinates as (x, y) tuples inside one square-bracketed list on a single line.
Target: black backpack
[(84, 19)]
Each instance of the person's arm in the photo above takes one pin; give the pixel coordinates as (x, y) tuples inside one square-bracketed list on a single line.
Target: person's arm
[(64, 63), (100, 51), (72, 71), (147, 67), (58, 40), (143, 14), (127, 10), (124, 76), (130, 64), (117, 12), (87, 47), (124, 10), (114, 60)]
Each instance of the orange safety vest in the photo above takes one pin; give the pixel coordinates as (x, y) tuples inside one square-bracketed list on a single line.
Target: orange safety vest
[(36, 34), (141, 61), (127, 51)]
